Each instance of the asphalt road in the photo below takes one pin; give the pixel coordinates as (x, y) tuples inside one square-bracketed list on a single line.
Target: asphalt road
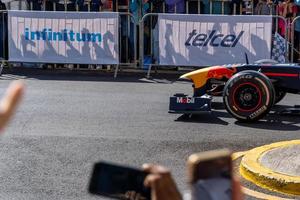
[(69, 121)]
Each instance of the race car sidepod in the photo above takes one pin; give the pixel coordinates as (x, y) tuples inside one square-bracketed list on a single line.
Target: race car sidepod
[(184, 104)]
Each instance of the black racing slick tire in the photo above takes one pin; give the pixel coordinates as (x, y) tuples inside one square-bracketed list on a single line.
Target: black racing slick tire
[(248, 96)]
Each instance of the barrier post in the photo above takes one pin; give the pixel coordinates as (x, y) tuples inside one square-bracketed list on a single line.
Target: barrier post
[(130, 16), (141, 34), (127, 32), (187, 7), (20, 5), (3, 44), (241, 7), (293, 38), (4, 53), (44, 5), (151, 32), (198, 6)]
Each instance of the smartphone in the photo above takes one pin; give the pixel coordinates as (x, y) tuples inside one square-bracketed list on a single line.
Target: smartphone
[(210, 175), (118, 182)]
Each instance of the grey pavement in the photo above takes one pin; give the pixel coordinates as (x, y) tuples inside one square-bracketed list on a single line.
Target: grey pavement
[(69, 121), (284, 160)]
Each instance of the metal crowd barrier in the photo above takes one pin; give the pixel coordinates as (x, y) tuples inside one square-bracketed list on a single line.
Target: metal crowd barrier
[(16, 5), (130, 21), (294, 50), (141, 40), (127, 32), (117, 67), (187, 5), (223, 2)]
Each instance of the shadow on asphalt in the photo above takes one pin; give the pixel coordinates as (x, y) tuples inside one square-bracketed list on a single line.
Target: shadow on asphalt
[(211, 118), (273, 121), (217, 105), (85, 75), (276, 121)]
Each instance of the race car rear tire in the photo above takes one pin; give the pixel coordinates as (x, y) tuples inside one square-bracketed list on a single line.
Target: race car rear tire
[(248, 95)]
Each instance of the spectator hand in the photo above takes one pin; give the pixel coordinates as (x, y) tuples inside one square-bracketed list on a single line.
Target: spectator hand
[(10, 102), (132, 195), (161, 183), (237, 193)]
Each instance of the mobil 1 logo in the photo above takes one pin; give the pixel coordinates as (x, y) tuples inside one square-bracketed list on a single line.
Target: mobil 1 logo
[(185, 100)]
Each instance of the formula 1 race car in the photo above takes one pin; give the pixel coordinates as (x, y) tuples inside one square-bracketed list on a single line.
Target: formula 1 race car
[(249, 90)]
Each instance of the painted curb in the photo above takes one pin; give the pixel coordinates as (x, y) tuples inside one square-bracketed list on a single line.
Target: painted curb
[(253, 171)]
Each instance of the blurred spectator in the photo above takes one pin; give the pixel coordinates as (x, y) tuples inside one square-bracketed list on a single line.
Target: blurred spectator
[(263, 8), (288, 10), (164, 187), (195, 6), (83, 5), (10, 102), (95, 5), (35, 4), (248, 5), (69, 5), (234, 7), (219, 7), (89, 5), (121, 5), (61, 5), (175, 6), (49, 5), (107, 5), (161, 183), (156, 6)]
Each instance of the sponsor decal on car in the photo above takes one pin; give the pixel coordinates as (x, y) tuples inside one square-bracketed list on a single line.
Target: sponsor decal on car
[(258, 112), (185, 100)]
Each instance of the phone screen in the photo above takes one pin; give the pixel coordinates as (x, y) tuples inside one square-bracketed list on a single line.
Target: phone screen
[(213, 180), (118, 182)]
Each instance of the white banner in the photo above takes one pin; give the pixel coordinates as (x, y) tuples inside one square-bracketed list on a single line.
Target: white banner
[(63, 37), (203, 40)]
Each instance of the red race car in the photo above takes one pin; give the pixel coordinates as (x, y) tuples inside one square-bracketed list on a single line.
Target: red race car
[(249, 90)]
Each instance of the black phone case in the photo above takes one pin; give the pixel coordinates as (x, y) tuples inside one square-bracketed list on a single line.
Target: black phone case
[(114, 181)]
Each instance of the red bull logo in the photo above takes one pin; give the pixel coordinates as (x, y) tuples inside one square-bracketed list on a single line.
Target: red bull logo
[(221, 72)]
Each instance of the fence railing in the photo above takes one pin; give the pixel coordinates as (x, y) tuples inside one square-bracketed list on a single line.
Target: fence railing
[(154, 43), (131, 30), (295, 50), (131, 43)]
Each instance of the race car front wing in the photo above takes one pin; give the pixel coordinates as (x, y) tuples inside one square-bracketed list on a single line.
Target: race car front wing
[(184, 104)]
